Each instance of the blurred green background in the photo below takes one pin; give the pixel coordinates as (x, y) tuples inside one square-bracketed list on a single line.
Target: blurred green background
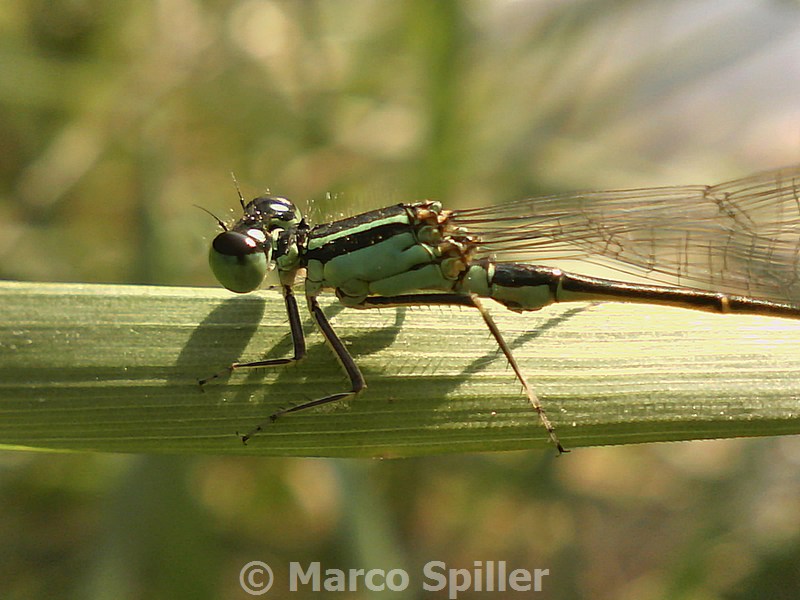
[(116, 117)]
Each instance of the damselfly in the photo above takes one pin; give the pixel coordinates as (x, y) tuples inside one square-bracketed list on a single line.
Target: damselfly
[(728, 248)]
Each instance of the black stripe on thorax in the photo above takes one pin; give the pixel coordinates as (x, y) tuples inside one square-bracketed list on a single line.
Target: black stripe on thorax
[(361, 231), (357, 221)]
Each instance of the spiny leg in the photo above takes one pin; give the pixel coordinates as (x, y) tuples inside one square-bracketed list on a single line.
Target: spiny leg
[(357, 382), (473, 301), (532, 397), (298, 341)]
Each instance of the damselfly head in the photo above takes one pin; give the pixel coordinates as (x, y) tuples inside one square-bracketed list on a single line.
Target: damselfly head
[(242, 255)]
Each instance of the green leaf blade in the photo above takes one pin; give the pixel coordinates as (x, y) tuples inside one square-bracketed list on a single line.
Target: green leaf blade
[(115, 368)]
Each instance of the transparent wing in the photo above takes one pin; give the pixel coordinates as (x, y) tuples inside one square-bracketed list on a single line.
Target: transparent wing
[(740, 237)]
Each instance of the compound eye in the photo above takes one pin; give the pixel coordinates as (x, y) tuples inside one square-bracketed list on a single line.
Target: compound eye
[(283, 209), (274, 211), (238, 261), (233, 243)]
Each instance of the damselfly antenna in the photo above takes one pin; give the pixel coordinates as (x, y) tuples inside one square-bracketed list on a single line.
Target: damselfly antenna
[(238, 191), (216, 218)]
